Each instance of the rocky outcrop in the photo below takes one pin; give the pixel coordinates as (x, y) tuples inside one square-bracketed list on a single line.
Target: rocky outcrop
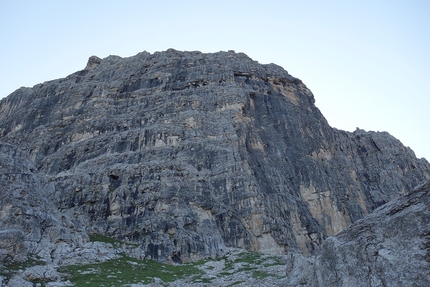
[(188, 153), (33, 233), (389, 247), (29, 223)]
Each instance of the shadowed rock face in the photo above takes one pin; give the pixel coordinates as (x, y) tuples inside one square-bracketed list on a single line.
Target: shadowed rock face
[(186, 153), (389, 247), (29, 223)]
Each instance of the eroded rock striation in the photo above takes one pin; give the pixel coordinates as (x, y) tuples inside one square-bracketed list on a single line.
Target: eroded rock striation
[(29, 223), (187, 153), (389, 247)]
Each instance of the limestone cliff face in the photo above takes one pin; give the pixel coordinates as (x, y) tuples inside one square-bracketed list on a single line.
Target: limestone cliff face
[(389, 247), (29, 224), (186, 153)]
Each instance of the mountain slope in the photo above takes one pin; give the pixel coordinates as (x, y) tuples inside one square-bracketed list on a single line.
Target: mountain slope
[(389, 247), (186, 153), (29, 224)]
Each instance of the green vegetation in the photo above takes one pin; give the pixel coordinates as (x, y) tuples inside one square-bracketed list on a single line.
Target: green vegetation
[(127, 270), (203, 280), (250, 257), (111, 189), (236, 283), (123, 270), (9, 267), (106, 239), (117, 272), (257, 274), (120, 271), (250, 261)]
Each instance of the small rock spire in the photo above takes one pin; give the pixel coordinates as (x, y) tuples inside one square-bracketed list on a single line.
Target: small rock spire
[(93, 62)]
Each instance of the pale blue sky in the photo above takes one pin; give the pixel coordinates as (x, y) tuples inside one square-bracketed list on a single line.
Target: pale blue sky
[(367, 62)]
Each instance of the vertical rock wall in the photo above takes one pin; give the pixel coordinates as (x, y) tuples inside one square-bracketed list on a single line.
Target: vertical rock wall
[(29, 224), (186, 153)]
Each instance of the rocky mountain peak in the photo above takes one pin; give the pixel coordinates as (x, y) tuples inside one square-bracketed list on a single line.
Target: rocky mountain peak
[(188, 153), (93, 62)]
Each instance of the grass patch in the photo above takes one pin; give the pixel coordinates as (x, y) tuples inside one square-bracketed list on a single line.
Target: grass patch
[(204, 280), (249, 257), (275, 263), (124, 270), (250, 262), (9, 267), (260, 274), (236, 283), (228, 265)]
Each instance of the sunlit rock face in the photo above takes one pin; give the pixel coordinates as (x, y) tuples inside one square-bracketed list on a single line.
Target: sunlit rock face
[(187, 153)]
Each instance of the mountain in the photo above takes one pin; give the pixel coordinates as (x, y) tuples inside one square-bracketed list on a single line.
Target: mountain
[(187, 154)]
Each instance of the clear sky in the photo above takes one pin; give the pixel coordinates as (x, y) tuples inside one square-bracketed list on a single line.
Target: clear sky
[(367, 62)]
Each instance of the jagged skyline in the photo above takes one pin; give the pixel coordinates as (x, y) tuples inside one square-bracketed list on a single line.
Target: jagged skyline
[(366, 63)]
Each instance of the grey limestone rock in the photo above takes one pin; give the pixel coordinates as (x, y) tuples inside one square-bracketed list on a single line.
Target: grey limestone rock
[(389, 247), (88, 253), (59, 284), (186, 154), (18, 281), (29, 223), (46, 273)]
